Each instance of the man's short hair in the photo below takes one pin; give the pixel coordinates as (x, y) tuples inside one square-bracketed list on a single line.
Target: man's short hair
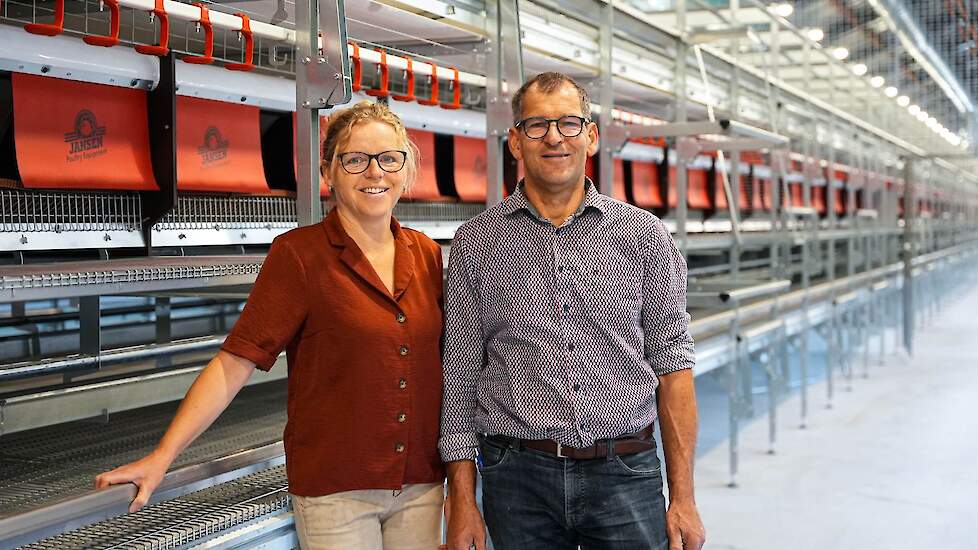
[(548, 83)]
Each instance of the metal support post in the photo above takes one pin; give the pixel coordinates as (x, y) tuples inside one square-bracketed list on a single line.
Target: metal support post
[(734, 400), (322, 80), (849, 321), (803, 351), (832, 354), (606, 97), (89, 325), (909, 215), (504, 75), (681, 116), (771, 378), (164, 327)]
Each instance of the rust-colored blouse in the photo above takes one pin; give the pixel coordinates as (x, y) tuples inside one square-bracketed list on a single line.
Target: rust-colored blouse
[(365, 377)]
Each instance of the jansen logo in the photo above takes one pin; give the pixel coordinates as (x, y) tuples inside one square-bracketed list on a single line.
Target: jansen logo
[(87, 139), (215, 147)]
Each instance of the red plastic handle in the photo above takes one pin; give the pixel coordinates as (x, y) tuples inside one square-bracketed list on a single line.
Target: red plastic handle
[(163, 47), (385, 80), (249, 46), (433, 100), (409, 96), (111, 39), (52, 29), (205, 22), (357, 68), (456, 93)]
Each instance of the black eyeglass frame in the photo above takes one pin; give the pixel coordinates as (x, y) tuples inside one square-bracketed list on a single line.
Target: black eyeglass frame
[(376, 158), (522, 125)]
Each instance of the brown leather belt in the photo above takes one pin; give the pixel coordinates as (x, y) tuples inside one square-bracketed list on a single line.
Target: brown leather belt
[(624, 445)]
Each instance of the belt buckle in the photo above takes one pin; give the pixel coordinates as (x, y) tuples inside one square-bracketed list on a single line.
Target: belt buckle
[(560, 449)]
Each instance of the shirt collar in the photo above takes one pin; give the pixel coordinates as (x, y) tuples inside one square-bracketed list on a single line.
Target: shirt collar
[(338, 236), (592, 199)]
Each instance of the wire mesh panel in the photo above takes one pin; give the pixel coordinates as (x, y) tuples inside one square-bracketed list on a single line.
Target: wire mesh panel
[(222, 212), (183, 521), (47, 464), (422, 211), (31, 211)]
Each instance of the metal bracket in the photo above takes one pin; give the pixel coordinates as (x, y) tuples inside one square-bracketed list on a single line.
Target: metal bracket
[(325, 70)]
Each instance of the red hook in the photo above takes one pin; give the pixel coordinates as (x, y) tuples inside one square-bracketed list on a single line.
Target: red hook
[(357, 68), (205, 22), (111, 39), (162, 48), (52, 29), (409, 96), (384, 90), (249, 46), (456, 93), (433, 100)]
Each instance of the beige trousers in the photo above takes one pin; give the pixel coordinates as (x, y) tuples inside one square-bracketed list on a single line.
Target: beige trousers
[(372, 519)]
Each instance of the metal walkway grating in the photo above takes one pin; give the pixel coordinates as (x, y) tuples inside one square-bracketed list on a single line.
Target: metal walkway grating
[(38, 467)]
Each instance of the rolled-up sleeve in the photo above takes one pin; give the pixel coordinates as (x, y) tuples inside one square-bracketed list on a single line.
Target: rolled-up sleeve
[(275, 309), (463, 358), (665, 322)]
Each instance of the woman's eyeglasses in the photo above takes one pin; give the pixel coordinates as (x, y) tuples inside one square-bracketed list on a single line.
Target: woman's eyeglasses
[(356, 162)]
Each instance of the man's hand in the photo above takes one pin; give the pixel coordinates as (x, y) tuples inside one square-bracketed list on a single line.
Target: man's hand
[(684, 527), (146, 473), (465, 526)]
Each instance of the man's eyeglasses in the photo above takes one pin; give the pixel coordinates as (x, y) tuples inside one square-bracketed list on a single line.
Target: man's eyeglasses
[(356, 162), (536, 127)]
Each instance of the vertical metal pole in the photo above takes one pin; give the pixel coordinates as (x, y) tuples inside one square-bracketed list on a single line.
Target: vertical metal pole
[(735, 156), (89, 329), (606, 96), (909, 215), (832, 354), (733, 368), (777, 210), (772, 396), (681, 116), (504, 75), (163, 327), (308, 206)]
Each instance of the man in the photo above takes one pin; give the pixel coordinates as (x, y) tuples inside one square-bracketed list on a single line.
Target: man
[(566, 337)]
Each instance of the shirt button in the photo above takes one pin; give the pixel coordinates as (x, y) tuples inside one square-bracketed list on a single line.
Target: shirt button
[(401, 417), (401, 317), (577, 387), (566, 308), (560, 269), (570, 347), (399, 448), (404, 350), (402, 383)]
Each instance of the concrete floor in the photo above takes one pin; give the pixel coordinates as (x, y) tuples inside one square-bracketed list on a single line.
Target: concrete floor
[(893, 465)]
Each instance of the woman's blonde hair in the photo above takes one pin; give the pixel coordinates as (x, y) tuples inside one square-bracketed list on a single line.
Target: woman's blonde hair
[(341, 125)]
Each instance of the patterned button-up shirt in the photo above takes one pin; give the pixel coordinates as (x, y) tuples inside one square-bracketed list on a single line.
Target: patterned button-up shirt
[(560, 332)]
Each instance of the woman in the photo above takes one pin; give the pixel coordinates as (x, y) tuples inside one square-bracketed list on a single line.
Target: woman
[(356, 303)]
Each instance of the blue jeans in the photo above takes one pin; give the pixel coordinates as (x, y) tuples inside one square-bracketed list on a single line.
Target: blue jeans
[(533, 501)]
